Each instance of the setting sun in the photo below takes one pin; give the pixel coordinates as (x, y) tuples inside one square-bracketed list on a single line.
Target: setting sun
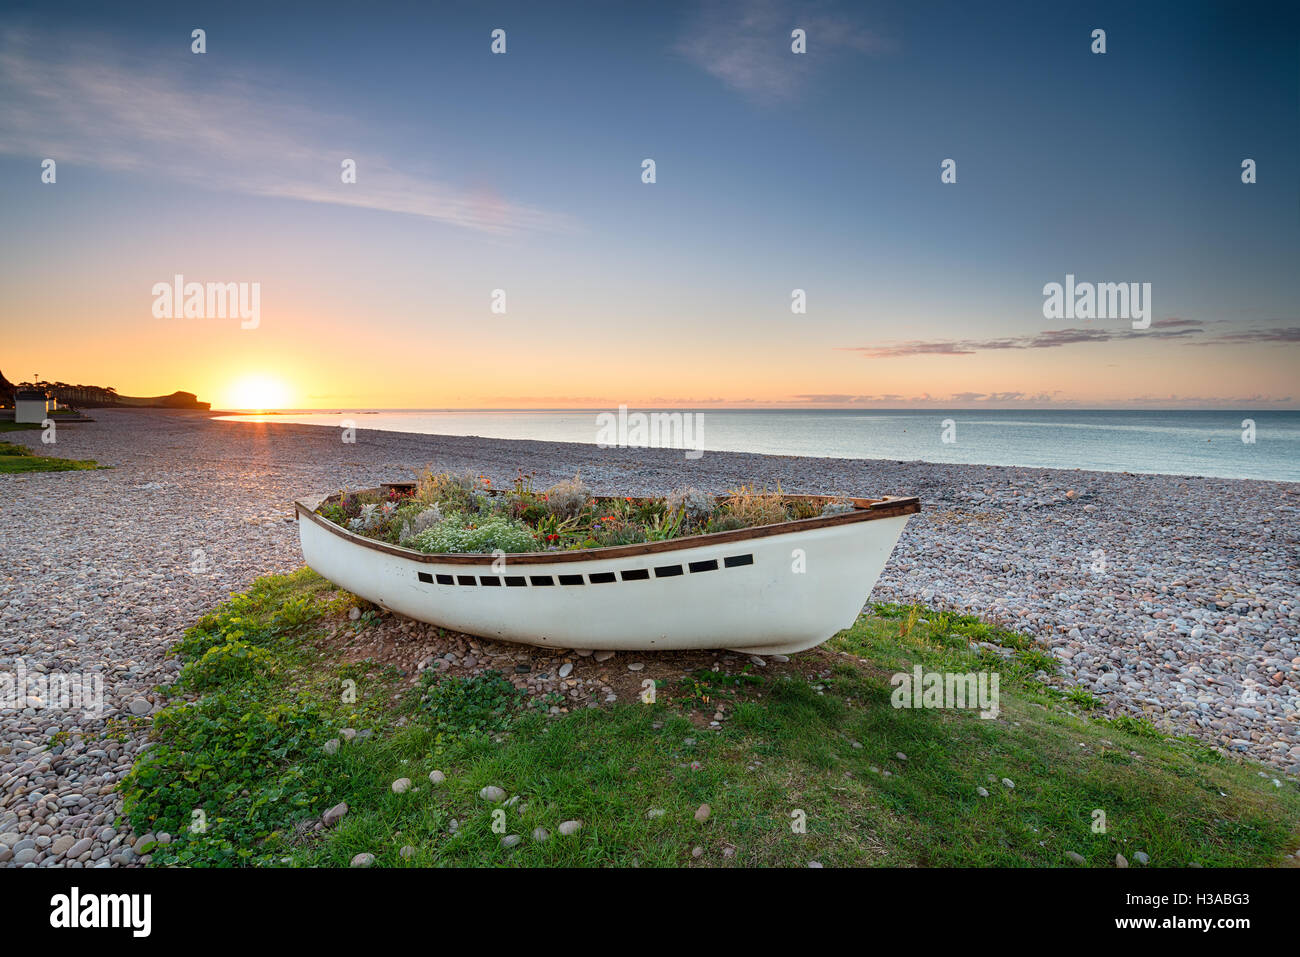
[(257, 393)]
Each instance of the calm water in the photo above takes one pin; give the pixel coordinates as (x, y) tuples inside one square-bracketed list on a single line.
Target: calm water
[(1182, 443)]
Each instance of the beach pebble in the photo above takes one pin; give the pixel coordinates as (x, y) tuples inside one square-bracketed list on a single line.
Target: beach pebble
[(492, 793), (364, 859), (569, 827), (437, 777), (510, 840), (401, 785), (1193, 632)]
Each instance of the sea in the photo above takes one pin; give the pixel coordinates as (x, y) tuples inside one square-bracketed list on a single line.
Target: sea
[(1223, 444)]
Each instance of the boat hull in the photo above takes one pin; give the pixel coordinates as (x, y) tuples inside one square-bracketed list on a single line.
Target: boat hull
[(777, 593)]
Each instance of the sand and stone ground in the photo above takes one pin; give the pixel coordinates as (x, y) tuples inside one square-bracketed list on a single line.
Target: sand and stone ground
[(1166, 597)]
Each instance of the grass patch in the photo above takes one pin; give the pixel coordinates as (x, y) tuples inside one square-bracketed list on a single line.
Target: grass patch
[(806, 767), (19, 458)]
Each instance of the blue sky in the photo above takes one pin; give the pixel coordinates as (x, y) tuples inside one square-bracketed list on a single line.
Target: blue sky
[(775, 172)]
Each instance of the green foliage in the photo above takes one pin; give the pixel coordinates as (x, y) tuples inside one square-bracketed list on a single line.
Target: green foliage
[(233, 662), (1082, 699), (1136, 726), (458, 708), (248, 753), (18, 458)]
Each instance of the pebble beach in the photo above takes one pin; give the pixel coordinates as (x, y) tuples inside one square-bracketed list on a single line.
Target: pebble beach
[(1169, 598)]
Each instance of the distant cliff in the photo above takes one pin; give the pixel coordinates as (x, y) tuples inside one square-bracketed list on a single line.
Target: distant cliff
[(94, 396)]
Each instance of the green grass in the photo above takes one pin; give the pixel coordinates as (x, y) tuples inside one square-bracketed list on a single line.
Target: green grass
[(19, 458), (259, 696), (18, 426)]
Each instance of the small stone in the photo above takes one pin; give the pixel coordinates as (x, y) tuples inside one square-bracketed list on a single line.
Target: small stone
[(141, 707), (566, 669), (1077, 858), (364, 859), (354, 613), (348, 735), (1121, 860), (702, 813), (540, 834), (697, 852), (603, 655), (1009, 784), (401, 785), (334, 814), (981, 792), (814, 863), (635, 666), (570, 827), (1141, 857), (436, 777), (654, 812), (492, 793), (900, 755), (408, 851), (331, 746), (510, 840)]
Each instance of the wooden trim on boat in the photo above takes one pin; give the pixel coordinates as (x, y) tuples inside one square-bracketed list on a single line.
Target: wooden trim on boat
[(866, 510)]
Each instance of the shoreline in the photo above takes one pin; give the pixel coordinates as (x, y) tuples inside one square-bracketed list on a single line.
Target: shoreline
[(234, 417), (1169, 598)]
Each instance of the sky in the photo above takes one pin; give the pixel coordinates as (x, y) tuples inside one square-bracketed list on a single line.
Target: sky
[(775, 171)]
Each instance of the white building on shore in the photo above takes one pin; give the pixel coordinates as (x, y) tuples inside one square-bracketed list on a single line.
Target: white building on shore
[(31, 405)]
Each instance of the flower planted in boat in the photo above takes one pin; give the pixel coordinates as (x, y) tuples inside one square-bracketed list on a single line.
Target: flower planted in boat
[(566, 499), (462, 533), (697, 505), (418, 522)]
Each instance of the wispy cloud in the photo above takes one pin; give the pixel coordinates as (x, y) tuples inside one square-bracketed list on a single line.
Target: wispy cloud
[(747, 45), (90, 104), (1192, 331)]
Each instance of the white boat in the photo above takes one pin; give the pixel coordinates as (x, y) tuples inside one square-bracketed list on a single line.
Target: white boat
[(771, 589)]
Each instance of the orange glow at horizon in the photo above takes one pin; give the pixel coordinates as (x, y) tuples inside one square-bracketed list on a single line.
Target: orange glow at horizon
[(254, 393)]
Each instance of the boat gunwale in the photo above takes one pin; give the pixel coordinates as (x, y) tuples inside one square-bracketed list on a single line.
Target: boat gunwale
[(865, 510)]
